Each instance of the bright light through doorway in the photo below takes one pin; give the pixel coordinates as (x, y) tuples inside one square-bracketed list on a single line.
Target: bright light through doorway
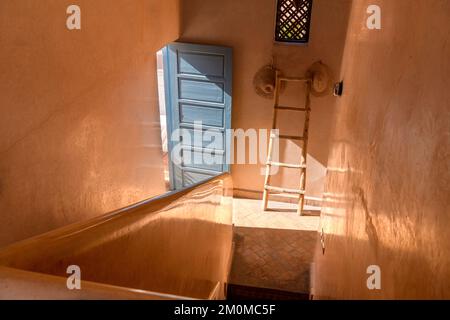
[(163, 115)]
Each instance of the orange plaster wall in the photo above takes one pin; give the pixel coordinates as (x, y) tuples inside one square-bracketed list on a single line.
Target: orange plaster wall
[(79, 125), (387, 193)]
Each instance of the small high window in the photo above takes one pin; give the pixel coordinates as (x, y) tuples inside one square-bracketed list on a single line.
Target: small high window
[(293, 21)]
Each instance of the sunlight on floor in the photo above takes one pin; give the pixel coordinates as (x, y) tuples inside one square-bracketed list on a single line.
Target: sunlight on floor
[(248, 213)]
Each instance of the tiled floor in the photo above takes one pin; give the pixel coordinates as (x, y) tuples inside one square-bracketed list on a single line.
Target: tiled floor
[(273, 249)]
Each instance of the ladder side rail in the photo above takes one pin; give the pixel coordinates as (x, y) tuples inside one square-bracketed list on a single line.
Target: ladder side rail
[(301, 199), (272, 134)]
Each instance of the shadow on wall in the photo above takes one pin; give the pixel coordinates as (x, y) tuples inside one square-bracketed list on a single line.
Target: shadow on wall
[(396, 283)]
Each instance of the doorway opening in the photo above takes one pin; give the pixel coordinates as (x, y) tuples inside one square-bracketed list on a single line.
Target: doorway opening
[(163, 115)]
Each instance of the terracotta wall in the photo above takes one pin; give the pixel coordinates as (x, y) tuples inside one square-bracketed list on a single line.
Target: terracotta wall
[(388, 180), (79, 125), (248, 27)]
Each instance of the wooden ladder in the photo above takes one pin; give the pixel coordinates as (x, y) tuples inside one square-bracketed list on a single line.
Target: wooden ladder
[(268, 188)]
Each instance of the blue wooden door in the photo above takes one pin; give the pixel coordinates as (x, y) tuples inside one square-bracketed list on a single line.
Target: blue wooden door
[(198, 82)]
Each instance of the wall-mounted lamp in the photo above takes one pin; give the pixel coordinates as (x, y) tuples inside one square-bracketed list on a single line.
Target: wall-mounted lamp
[(339, 89)]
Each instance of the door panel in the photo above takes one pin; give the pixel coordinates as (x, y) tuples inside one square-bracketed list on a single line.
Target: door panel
[(209, 116), (196, 159), (201, 64), (198, 81), (211, 139), (190, 177), (201, 90)]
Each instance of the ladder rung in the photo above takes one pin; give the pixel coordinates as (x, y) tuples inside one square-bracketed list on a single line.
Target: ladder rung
[(283, 190), (290, 108), (294, 79), (292, 137), (287, 165)]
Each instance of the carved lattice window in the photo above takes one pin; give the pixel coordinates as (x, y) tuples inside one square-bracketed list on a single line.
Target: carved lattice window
[(293, 20)]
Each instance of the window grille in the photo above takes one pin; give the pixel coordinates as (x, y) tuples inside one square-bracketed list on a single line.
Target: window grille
[(293, 21)]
